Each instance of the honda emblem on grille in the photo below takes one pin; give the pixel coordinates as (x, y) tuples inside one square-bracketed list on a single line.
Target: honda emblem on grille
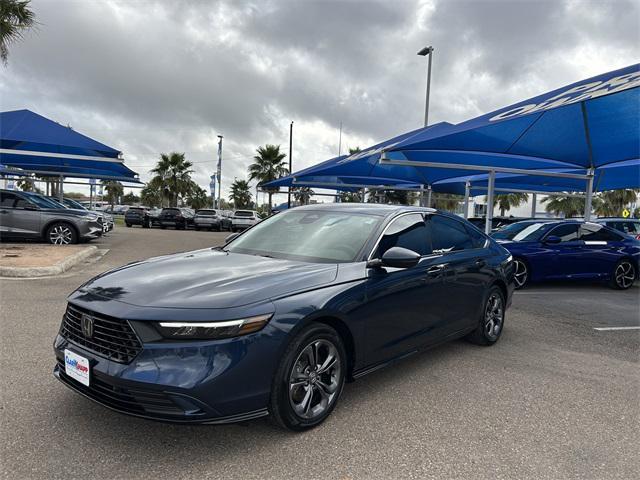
[(87, 326)]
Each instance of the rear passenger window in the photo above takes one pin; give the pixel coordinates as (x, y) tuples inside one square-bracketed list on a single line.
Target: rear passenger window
[(478, 238), (449, 235), (567, 232), (7, 199), (407, 231), (597, 233)]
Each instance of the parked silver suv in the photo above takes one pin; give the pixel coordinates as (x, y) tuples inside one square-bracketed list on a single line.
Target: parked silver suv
[(29, 215)]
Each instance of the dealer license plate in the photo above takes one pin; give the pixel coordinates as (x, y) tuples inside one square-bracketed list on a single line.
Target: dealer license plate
[(76, 367)]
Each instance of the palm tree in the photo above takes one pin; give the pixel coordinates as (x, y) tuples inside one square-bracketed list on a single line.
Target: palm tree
[(354, 150), (114, 190), (565, 205), (15, 18), (350, 197), (507, 201), (401, 197), (240, 193), (176, 172), (303, 195), (268, 165), (614, 201), (153, 193), (447, 201), (197, 197)]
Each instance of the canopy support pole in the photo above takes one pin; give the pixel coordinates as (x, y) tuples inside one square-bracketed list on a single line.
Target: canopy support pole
[(588, 201), (60, 191), (421, 202), (490, 194), (534, 201), (363, 195), (429, 196), (467, 193)]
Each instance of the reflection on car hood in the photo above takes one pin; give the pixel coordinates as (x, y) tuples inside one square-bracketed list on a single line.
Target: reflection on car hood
[(207, 279)]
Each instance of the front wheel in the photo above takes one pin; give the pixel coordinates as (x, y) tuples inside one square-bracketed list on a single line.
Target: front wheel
[(309, 379), (624, 274), (61, 233), (491, 322), (521, 274)]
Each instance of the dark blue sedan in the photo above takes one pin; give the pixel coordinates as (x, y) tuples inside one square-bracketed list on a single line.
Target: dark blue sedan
[(275, 321), (570, 250)]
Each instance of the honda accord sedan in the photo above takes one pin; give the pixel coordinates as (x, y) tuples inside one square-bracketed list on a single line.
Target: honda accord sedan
[(570, 250), (275, 321)]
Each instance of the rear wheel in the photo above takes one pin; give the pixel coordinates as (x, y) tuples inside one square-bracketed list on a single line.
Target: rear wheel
[(128, 225), (521, 274), (624, 275), (309, 379), (61, 233), (197, 229), (491, 322)]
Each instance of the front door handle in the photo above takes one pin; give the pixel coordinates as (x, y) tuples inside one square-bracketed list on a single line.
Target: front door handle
[(435, 270), (480, 263)]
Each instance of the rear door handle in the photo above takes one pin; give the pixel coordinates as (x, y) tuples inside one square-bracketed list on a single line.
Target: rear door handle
[(480, 263)]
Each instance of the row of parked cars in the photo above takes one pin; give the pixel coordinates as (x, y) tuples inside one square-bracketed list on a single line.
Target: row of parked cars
[(27, 215), (183, 218)]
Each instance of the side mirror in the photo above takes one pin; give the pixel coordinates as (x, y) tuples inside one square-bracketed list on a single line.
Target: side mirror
[(396, 257), (552, 239), (231, 237)]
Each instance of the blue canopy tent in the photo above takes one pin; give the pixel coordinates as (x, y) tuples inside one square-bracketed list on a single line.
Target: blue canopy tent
[(585, 126), (38, 145)]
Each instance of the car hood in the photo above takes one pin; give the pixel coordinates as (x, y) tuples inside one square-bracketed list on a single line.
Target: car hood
[(207, 279)]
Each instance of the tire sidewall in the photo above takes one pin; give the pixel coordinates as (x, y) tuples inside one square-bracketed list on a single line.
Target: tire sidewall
[(492, 290), (614, 283), (280, 408), (74, 234)]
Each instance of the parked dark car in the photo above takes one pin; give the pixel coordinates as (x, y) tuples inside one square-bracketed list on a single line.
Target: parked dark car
[(496, 222), (25, 215), (137, 216), (277, 319), (210, 219), (571, 250), (179, 218), (628, 226)]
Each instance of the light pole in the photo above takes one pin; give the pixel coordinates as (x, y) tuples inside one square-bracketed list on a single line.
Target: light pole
[(219, 171), (424, 52), (290, 165)]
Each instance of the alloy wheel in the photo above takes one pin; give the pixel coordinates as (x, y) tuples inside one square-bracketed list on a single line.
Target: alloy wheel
[(315, 379), (624, 275), (60, 235), (494, 316), (521, 274)]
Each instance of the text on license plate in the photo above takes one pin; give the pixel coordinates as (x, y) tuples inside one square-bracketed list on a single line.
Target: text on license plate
[(76, 367)]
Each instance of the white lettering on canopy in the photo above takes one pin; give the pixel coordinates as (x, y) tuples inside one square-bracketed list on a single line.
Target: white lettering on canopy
[(575, 94)]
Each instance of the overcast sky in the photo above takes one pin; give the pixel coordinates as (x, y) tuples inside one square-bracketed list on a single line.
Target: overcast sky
[(147, 76)]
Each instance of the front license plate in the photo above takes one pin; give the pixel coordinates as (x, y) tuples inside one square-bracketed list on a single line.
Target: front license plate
[(76, 367)]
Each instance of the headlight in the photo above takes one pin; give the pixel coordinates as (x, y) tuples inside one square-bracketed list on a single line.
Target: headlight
[(212, 330), (91, 216)]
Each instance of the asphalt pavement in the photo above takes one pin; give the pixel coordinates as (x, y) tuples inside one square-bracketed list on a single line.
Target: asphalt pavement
[(555, 398)]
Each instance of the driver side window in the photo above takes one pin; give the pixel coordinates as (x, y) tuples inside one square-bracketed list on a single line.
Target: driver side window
[(567, 232), (407, 231)]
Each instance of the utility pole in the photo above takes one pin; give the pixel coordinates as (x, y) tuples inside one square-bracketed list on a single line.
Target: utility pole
[(427, 51), (219, 171), (290, 164)]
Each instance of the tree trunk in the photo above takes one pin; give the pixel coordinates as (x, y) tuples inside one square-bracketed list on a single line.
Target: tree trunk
[(502, 212), (270, 205)]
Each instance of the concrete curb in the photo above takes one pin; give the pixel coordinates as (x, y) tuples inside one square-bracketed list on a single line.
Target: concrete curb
[(60, 267)]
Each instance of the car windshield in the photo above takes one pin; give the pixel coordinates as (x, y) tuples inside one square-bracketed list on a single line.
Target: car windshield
[(509, 231), (43, 202), (533, 232), (311, 236), (70, 203)]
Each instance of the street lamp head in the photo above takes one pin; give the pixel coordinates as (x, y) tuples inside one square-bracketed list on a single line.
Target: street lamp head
[(425, 51), (220, 136)]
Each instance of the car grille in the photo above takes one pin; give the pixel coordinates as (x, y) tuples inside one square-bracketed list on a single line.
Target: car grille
[(123, 399), (112, 338)]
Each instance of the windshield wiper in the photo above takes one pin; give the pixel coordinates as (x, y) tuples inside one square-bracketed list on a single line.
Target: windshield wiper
[(220, 249)]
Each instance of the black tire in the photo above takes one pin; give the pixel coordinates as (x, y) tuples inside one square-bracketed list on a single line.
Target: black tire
[(197, 229), (61, 233), (521, 274), (624, 274), (488, 332), (146, 224), (163, 227), (281, 402)]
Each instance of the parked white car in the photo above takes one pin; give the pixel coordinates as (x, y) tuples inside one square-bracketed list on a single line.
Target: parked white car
[(243, 219)]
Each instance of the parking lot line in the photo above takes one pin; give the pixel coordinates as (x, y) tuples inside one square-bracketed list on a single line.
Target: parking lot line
[(601, 329)]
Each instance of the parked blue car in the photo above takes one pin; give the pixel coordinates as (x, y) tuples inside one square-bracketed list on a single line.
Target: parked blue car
[(275, 321), (570, 250)]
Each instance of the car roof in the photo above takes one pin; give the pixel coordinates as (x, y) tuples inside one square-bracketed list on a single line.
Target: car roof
[(369, 208)]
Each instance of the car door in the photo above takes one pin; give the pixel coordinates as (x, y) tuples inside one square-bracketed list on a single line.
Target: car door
[(7, 199), (398, 314), (23, 218), (562, 259), (466, 276), (599, 250)]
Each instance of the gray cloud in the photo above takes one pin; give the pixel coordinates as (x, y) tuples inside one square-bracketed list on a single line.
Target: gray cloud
[(153, 76)]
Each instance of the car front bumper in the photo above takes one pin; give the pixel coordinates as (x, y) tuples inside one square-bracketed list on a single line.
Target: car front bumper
[(188, 382)]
